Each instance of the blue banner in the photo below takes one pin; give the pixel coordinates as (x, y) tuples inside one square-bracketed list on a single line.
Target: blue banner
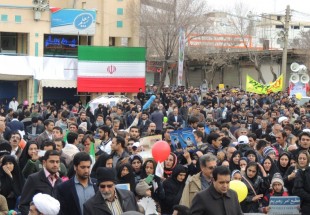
[(73, 22)]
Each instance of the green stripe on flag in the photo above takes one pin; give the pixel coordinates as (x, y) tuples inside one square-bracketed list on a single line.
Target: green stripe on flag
[(92, 154), (101, 53)]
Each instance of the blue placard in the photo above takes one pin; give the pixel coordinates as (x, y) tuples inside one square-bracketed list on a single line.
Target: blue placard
[(284, 205), (73, 22), (183, 139)]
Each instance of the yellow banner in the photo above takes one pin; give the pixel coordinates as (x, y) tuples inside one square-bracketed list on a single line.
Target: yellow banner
[(256, 87)]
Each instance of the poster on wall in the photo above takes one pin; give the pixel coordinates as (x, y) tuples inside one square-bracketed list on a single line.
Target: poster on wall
[(73, 22)]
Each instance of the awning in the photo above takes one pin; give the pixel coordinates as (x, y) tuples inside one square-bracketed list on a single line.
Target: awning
[(6, 77), (58, 83)]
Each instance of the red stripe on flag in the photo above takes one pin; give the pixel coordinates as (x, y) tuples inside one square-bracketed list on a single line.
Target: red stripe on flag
[(105, 85)]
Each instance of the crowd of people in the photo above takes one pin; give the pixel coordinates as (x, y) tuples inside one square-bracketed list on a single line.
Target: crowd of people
[(261, 140)]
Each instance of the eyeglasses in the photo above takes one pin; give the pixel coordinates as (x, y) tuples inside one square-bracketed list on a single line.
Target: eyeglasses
[(102, 186)]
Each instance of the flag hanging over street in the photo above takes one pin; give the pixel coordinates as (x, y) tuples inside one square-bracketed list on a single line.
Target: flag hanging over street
[(110, 69)]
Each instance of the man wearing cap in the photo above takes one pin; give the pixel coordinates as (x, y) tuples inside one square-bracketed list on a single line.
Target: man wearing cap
[(44, 204), (109, 200)]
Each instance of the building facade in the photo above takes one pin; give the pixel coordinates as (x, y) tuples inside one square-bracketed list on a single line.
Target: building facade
[(39, 41)]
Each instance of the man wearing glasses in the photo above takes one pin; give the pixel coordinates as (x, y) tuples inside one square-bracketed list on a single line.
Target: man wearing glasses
[(201, 180), (109, 200)]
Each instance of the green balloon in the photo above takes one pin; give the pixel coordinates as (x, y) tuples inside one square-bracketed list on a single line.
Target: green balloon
[(165, 119)]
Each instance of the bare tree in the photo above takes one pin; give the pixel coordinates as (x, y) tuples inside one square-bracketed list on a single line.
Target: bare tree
[(302, 41), (244, 27), (161, 21)]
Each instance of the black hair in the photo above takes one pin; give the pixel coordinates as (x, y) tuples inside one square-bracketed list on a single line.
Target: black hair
[(71, 137), (105, 129), (47, 122), (120, 140), (182, 210), (81, 156), (260, 144), (62, 142), (212, 136), (47, 143), (58, 128), (50, 153), (220, 170)]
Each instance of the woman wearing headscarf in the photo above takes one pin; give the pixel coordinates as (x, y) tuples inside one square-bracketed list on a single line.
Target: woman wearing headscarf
[(283, 163), (125, 175), (148, 173), (104, 160), (234, 161), (301, 185), (11, 180), (169, 165), (257, 187), (173, 187), (269, 167), (30, 151), (136, 162), (290, 175)]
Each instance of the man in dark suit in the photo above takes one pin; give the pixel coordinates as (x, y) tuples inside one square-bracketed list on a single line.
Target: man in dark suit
[(15, 125), (34, 130), (175, 119), (220, 199), (109, 197), (73, 193), (47, 134), (43, 181), (144, 122)]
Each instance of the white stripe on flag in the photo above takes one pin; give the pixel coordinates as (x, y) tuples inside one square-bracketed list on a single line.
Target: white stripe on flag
[(111, 69)]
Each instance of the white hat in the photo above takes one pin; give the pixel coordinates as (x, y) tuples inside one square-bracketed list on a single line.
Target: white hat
[(83, 126), (136, 144), (243, 139), (282, 118), (46, 204)]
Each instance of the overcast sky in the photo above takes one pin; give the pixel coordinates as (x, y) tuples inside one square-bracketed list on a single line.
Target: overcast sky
[(266, 6)]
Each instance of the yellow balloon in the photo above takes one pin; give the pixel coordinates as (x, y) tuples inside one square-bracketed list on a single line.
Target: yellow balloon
[(298, 96), (240, 188)]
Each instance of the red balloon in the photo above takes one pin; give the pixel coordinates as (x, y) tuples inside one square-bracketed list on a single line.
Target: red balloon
[(161, 151)]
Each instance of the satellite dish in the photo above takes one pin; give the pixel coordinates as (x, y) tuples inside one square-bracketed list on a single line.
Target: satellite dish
[(304, 79), (294, 78), (295, 67)]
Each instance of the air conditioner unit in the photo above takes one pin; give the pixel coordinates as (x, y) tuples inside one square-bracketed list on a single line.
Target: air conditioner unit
[(37, 15)]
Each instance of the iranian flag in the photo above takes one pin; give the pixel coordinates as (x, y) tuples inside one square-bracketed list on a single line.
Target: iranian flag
[(110, 69)]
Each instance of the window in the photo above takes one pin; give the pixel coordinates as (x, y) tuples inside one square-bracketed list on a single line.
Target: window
[(120, 11), (8, 43), (119, 24), (18, 19), (4, 17), (279, 26)]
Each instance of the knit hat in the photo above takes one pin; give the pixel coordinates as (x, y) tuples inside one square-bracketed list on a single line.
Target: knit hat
[(243, 139), (142, 187), (268, 150), (46, 204), (105, 174), (282, 118), (277, 178)]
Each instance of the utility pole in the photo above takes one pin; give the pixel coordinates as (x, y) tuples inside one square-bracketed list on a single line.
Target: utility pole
[(284, 56)]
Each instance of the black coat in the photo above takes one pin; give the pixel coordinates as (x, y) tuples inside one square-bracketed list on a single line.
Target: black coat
[(36, 183), (97, 205), (211, 202), (302, 189), (68, 198), (173, 190)]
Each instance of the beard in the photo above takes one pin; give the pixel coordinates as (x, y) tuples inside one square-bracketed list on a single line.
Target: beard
[(106, 195)]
